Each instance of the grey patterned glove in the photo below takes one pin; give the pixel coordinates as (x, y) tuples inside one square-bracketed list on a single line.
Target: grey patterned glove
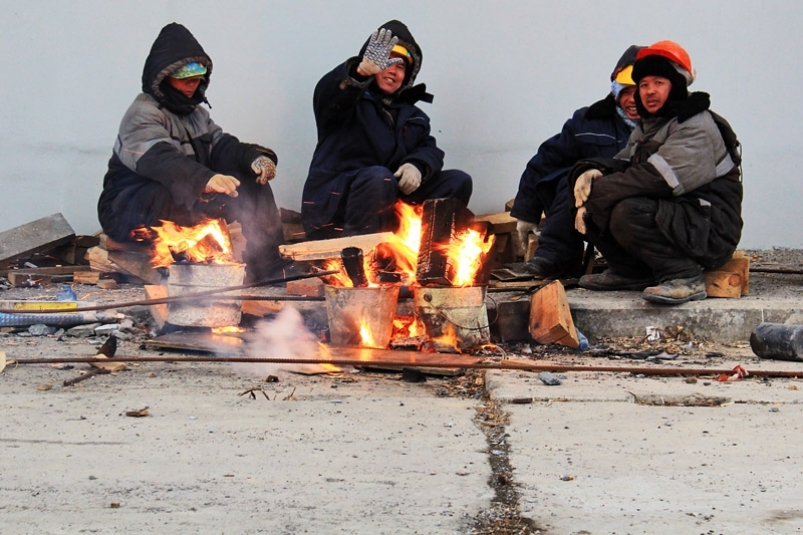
[(377, 54), (265, 168)]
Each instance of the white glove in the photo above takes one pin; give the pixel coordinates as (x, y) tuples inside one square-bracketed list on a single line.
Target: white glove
[(409, 178), (377, 53), (524, 228), (582, 188), (579, 220), (222, 184), (264, 168)]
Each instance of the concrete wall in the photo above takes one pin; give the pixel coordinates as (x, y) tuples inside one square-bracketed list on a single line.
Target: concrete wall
[(506, 75)]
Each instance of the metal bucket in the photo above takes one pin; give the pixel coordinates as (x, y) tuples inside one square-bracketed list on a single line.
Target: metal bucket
[(454, 318), (205, 312), (351, 310)]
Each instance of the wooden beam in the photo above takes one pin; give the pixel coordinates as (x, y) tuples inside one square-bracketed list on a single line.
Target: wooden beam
[(501, 223), (40, 235), (330, 249), (723, 284), (550, 317)]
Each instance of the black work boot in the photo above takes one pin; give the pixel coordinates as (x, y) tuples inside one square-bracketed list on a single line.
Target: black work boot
[(541, 268), (608, 280), (677, 291)]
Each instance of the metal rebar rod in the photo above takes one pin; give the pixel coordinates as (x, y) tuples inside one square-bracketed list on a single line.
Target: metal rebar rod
[(446, 363), (192, 296)]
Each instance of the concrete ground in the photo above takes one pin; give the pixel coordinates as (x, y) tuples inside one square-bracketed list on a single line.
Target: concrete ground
[(494, 452)]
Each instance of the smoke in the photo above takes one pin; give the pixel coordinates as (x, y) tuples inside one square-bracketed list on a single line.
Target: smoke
[(285, 337)]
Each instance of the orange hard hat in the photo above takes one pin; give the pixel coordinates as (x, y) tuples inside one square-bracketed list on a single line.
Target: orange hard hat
[(671, 51)]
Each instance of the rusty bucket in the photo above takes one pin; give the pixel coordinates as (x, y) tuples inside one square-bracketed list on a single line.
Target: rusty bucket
[(206, 312), (454, 318), (361, 316)]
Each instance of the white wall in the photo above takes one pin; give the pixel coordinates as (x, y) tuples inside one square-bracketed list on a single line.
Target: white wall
[(506, 75)]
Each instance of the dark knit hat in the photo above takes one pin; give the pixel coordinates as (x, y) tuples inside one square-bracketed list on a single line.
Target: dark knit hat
[(627, 59)]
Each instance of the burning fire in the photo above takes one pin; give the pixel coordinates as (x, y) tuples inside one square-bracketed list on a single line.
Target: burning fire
[(207, 242), (467, 251)]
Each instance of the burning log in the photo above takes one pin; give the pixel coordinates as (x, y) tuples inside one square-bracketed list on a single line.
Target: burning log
[(353, 264), (441, 220)]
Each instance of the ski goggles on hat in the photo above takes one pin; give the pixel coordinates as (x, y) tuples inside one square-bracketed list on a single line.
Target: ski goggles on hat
[(403, 52), (189, 70)]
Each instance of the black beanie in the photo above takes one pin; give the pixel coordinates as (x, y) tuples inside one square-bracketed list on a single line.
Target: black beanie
[(663, 67)]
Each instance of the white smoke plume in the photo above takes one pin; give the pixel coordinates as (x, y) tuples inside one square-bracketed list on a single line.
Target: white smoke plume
[(285, 337)]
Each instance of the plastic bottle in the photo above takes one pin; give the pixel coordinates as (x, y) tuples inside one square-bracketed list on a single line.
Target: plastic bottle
[(66, 294), (778, 341)]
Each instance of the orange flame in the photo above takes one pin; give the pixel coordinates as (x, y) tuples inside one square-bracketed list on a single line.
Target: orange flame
[(448, 338), (468, 251), (227, 329), (207, 242), (366, 336)]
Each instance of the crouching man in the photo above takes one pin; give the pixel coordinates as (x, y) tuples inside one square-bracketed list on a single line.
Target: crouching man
[(669, 204), (172, 162)]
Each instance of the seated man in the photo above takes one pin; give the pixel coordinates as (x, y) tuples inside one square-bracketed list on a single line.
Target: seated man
[(374, 143), (669, 205), (172, 162), (599, 130)]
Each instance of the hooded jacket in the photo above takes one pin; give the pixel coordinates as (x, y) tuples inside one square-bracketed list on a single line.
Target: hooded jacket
[(681, 159), (596, 131), (168, 138), (359, 126)]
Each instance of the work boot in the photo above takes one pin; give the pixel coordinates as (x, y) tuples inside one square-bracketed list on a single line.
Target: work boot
[(541, 268), (677, 291), (609, 281)]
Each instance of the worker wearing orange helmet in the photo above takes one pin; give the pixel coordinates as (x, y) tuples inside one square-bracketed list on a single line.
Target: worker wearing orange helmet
[(669, 204)]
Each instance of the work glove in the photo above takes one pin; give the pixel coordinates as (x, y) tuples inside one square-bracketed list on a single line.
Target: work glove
[(377, 54), (582, 187), (409, 178), (222, 184), (580, 220), (264, 168), (524, 228)]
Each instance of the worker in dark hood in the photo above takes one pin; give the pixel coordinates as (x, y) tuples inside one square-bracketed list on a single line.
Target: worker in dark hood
[(172, 162), (599, 130), (374, 143), (669, 204)]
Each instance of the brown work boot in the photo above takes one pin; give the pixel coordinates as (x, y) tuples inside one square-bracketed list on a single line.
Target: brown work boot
[(677, 291), (609, 281)]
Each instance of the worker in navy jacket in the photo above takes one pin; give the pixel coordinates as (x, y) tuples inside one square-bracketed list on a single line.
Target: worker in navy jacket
[(597, 131), (374, 144)]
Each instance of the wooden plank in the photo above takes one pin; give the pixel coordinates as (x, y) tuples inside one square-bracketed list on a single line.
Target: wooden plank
[(262, 308), (107, 284), (98, 259), (740, 263), (550, 317), (306, 287), (40, 235), (137, 264), (29, 280), (723, 284), (328, 249), (158, 312), (501, 223), (52, 270), (86, 277)]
